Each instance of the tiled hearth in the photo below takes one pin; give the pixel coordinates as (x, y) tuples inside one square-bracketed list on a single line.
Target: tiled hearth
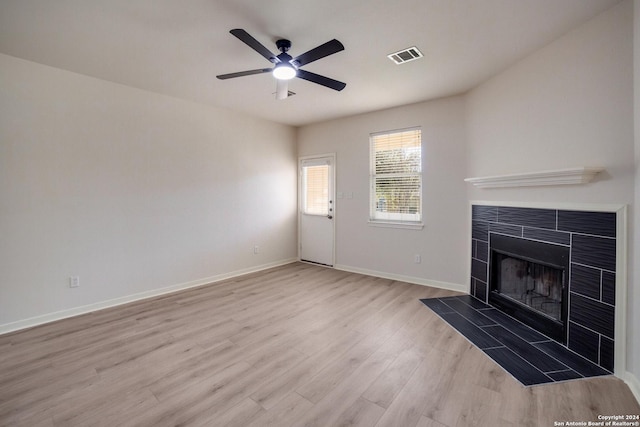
[(591, 239), (527, 355)]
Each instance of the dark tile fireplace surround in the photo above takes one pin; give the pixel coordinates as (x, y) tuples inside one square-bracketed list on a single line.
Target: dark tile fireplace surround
[(585, 310)]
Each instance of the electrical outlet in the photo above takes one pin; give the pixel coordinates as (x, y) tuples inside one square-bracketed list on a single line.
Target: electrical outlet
[(74, 281), (417, 259), (256, 249)]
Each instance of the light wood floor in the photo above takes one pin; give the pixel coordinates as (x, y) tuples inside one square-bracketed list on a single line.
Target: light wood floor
[(297, 345)]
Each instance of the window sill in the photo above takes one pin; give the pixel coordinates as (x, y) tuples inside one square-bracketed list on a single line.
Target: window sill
[(397, 224)]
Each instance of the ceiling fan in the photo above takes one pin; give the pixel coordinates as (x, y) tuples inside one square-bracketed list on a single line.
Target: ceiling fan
[(286, 67)]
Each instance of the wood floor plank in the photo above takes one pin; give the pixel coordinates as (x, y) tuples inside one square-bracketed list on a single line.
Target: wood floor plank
[(407, 407), (215, 395), (289, 409), (316, 342), (296, 345), (269, 394), (239, 415), (27, 419), (29, 396), (335, 373), (388, 385), (116, 410), (329, 409), (426, 422), (32, 401), (202, 382), (362, 413), (198, 400)]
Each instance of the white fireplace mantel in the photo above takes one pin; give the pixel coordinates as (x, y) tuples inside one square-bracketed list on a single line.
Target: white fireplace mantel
[(571, 176)]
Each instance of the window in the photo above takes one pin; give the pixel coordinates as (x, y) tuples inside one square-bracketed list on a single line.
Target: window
[(315, 182), (396, 176)]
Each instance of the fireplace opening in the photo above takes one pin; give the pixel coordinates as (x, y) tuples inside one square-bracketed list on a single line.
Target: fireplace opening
[(528, 280)]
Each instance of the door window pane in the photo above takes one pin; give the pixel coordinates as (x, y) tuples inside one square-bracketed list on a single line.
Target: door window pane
[(315, 181)]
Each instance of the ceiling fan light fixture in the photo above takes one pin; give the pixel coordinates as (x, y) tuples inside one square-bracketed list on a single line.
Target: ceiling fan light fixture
[(283, 71)]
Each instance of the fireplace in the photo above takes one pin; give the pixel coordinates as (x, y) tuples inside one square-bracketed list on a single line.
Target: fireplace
[(528, 281), (562, 271)]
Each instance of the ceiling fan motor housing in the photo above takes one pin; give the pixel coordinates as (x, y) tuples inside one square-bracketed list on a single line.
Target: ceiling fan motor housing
[(283, 45)]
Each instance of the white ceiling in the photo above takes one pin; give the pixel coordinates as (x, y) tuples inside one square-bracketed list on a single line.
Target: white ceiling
[(177, 47)]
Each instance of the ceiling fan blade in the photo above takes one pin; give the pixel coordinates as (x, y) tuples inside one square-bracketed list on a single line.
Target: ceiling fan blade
[(244, 73), (254, 44), (329, 48), (321, 80), (282, 89)]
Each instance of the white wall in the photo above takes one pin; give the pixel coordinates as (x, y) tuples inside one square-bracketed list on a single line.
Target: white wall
[(634, 287), (131, 191), (390, 252), (569, 104)]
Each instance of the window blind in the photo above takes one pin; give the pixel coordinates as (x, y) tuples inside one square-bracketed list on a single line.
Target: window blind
[(396, 175), (315, 184)]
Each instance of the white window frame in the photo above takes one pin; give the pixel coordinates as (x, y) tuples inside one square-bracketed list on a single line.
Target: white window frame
[(391, 219)]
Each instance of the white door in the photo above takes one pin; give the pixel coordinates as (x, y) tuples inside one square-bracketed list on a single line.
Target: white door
[(317, 210)]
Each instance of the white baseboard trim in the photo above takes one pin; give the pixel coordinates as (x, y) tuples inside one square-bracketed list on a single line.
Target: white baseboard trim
[(76, 311), (409, 279), (633, 383)]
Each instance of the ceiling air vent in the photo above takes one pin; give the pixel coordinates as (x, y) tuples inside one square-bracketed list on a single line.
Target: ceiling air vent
[(405, 55)]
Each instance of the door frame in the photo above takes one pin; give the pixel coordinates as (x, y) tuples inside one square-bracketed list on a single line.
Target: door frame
[(332, 195)]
